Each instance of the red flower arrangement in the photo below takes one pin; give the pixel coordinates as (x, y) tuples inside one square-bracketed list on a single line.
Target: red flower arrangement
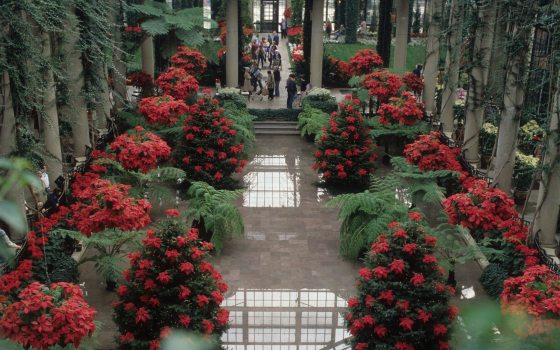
[(429, 153), (248, 32), (364, 62), (402, 301), (537, 293), (295, 33), (481, 209), (43, 316), (162, 110), (189, 59), (191, 297), (140, 80), (413, 83), (346, 150), (221, 52), (140, 150), (133, 29), (177, 83), (102, 205), (382, 84), (404, 110), (209, 151)]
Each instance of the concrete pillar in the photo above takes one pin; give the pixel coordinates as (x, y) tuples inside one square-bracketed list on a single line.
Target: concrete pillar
[(432, 55), (232, 43), (548, 203), (316, 67), (53, 159), (401, 44), (147, 53), (452, 64), (474, 106)]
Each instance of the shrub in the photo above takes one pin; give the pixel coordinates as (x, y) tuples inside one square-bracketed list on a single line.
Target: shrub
[(429, 153), (320, 98), (275, 114), (404, 110), (231, 95), (190, 60), (364, 62), (209, 151), (162, 110), (243, 123), (492, 279), (382, 85), (176, 82), (413, 83), (402, 300), (169, 285), (139, 150), (346, 150)]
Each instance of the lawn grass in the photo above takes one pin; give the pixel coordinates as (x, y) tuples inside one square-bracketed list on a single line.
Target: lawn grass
[(415, 55)]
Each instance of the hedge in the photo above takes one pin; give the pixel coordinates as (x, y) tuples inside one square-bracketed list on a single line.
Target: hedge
[(283, 114)]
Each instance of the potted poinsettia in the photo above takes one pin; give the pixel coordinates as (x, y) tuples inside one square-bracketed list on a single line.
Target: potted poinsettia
[(364, 62)]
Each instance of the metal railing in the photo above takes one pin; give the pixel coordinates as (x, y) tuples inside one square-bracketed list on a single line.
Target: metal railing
[(543, 256)]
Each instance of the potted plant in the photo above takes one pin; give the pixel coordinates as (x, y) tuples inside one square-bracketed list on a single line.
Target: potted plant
[(525, 167), (487, 139), (530, 135)]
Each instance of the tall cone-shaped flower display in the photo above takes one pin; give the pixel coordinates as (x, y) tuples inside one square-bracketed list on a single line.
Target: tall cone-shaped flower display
[(346, 150), (169, 285), (402, 301), (209, 151)]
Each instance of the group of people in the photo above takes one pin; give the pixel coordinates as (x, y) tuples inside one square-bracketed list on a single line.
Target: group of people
[(265, 49), (267, 86)]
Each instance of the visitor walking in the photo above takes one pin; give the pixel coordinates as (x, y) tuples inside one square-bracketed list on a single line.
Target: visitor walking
[(275, 38), (341, 32), (328, 28), (277, 79), (418, 70), (270, 85), (292, 90), (247, 80), (260, 56), (284, 28)]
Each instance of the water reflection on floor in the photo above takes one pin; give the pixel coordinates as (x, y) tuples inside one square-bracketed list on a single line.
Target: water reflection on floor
[(286, 319)]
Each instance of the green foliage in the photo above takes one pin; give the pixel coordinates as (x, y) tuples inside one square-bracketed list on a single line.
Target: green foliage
[(16, 173), (297, 15), (327, 106), (233, 96), (275, 114), (408, 131), (365, 215), (311, 121), (215, 212), (492, 279), (58, 266)]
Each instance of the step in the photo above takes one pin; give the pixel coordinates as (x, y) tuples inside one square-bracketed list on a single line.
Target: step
[(280, 126), (276, 132), (272, 124)]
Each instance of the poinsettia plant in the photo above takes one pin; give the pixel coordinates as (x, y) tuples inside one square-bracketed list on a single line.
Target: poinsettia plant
[(364, 62), (209, 151), (169, 285), (176, 82), (404, 110), (295, 34), (402, 301), (190, 60), (413, 82), (346, 150), (140, 150), (39, 316), (429, 153), (162, 110), (140, 80), (382, 85)]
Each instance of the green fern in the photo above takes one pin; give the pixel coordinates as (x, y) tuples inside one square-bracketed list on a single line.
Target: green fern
[(311, 121), (243, 123), (365, 215), (408, 131), (216, 211)]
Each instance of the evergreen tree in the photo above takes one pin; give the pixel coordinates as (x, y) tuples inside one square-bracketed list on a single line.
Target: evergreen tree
[(352, 18), (346, 150), (169, 285), (402, 302), (385, 31)]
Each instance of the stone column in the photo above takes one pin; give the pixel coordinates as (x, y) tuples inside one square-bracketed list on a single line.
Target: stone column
[(147, 53), (119, 66), (232, 43), (474, 106), (50, 123), (316, 68), (452, 64), (432, 55), (548, 203), (401, 43)]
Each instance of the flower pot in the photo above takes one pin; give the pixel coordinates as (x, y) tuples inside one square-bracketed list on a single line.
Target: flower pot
[(485, 161), (110, 285), (519, 197)]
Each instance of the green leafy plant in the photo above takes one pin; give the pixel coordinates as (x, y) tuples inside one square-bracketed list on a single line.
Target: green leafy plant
[(492, 279), (232, 95), (243, 123), (311, 121), (524, 169), (487, 138), (213, 213)]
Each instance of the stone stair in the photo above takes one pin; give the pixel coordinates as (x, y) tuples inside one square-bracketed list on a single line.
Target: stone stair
[(276, 128)]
